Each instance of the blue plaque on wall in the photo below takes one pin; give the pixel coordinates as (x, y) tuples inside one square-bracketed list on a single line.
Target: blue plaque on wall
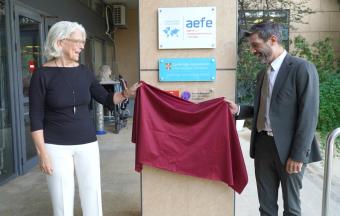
[(187, 69)]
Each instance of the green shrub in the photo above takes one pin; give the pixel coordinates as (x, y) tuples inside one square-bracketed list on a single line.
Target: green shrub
[(321, 53), (329, 115)]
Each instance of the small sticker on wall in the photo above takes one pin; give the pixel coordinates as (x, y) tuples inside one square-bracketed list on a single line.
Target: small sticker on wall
[(185, 95), (202, 94)]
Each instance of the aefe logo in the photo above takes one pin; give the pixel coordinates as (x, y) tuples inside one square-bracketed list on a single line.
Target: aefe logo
[(199, 23)]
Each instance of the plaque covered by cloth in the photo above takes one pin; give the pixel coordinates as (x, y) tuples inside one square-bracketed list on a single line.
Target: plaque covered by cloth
[(187, 138)]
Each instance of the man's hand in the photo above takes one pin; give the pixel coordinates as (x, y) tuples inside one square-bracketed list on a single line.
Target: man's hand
[(293, 166), (233, 107)]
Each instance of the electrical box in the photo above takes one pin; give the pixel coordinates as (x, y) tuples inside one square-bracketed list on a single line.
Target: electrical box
[(119, 15)]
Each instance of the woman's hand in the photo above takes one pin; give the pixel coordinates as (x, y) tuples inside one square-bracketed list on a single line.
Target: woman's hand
[(132, 90), (45, 164), (44, 159)]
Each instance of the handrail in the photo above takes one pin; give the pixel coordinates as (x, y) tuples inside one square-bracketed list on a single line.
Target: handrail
[(327, 176)]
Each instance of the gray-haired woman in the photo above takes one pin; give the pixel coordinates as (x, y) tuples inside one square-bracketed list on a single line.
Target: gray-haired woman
[(62, 130)]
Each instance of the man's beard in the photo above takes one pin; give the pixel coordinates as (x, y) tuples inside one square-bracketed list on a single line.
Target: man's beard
[(264, 56)]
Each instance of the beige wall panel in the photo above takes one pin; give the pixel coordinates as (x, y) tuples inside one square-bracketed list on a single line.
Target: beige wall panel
[(127, 48), (329, 5), (171, 194), (325, 22), (335, 21), (223, 86), (315, 5), (165, 193), (225, 51), (319, 22), (301, 27)]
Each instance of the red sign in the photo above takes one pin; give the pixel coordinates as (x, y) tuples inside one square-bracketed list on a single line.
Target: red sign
[(173, 92), (31, 66)]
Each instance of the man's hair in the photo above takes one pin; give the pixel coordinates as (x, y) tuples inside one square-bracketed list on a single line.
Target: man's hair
[(265, 30)]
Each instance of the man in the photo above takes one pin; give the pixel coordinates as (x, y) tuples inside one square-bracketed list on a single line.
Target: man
[(285, 114)]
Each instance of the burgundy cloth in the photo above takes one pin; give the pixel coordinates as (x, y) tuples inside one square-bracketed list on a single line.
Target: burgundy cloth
[(187, 138)]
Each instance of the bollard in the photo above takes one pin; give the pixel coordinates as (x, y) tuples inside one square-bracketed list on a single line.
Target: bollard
[(100, 119)]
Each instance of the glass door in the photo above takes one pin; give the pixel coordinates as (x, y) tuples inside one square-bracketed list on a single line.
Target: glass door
[(6, 139), (29, 31)]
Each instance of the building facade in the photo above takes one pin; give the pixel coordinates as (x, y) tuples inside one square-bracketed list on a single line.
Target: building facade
[(323, 23), (131, 51), (23, 27)]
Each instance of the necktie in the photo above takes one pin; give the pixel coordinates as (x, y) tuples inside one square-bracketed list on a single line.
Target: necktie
[(264, 106)]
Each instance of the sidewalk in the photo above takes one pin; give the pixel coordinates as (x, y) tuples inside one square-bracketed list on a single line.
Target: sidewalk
[(28, 195), (246, 204)]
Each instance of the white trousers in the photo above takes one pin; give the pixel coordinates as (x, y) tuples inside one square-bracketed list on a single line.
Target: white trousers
[(84, 160)]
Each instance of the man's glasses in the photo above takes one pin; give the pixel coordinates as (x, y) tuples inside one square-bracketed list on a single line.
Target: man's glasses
[(75, 41)]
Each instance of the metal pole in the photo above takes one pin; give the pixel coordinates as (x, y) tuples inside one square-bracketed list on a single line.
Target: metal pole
[(327, 176)]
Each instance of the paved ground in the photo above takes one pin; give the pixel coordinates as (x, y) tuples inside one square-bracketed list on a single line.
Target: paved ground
[(28, 196), (311, 194)]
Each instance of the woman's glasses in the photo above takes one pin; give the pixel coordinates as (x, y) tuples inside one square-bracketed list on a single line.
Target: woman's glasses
[(75, 41)]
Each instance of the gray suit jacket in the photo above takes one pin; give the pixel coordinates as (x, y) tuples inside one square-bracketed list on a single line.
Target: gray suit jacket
[(293, 111)]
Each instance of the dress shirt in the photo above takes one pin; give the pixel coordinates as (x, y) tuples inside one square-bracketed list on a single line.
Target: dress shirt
[(274, 70)]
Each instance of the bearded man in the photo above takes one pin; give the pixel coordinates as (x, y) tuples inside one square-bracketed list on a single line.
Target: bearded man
[(285, 114)]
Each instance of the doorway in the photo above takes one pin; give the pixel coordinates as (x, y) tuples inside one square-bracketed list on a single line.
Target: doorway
[(7, 164), (30, 30)]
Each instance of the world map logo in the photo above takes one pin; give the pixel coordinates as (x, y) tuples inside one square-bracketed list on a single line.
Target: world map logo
[(171, 32)]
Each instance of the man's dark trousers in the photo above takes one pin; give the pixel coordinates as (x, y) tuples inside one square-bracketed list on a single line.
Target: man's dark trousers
[(270, 172)]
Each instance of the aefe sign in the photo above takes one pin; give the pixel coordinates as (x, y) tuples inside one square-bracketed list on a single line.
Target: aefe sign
[(186, 28)]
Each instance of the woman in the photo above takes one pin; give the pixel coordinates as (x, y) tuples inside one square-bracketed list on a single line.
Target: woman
[(62, 130)]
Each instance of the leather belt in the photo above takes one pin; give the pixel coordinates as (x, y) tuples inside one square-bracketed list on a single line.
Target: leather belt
[(268, 133)]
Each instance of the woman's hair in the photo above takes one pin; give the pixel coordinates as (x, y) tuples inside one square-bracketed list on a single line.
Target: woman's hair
[(59, 31)]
